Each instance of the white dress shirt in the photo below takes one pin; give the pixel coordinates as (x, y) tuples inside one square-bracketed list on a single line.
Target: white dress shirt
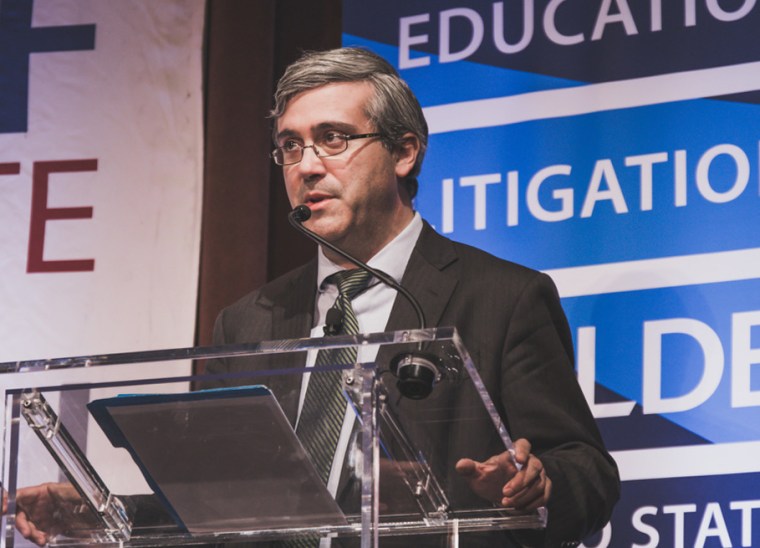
[(372, 309)]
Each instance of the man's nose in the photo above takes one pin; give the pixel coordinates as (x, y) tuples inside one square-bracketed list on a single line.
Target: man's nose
[(311, 160)]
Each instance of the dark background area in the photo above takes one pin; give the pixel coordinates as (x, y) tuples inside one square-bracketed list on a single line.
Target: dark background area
[(246, 239)]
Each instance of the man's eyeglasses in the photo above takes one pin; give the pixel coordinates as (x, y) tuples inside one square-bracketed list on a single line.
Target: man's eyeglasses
[(329, 144)]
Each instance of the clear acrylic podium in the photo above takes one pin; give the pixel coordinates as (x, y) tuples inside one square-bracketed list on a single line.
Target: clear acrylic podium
[(206, 454)]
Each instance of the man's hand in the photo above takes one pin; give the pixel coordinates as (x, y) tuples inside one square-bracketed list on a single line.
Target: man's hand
[(499, 481), (46, 510)]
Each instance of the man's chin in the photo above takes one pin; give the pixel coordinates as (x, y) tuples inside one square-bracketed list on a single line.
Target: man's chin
[(328, 229)]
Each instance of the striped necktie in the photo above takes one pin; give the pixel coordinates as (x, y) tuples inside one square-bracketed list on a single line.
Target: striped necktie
[(324, 405)]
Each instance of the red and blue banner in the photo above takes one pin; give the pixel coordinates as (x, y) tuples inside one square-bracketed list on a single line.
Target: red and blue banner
[(101, 164)]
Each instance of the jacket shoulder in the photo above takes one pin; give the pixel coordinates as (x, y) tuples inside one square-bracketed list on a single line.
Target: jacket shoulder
[(271, 292), (251, 316), (471, 262)]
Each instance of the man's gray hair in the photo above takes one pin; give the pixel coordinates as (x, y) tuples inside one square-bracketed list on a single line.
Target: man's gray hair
[(394, 110)]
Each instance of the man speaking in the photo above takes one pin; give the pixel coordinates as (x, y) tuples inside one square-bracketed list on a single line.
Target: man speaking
[(351, 137)]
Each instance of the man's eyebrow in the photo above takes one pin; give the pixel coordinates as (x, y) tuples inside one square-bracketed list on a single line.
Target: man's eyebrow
[(343, 127), (340, 126), (285, 133)]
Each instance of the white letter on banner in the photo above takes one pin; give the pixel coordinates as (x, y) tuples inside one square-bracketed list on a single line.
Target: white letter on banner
[(447, 206), (586, 346), (405, 41), (678, 510), (679, 177), (703, 173), (645, 162), (498, 28), (746, 507), (656, 18), (444, 49), (713, 513), (744, 357), (513, 199), (653, 402), (565, 195), (550, 27), (690, 13), (603, 170), (648, 530), (480, 182), (722, 15), (604, 539), (604, 18)]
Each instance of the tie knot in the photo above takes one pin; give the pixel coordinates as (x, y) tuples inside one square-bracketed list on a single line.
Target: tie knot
[(350, 282)]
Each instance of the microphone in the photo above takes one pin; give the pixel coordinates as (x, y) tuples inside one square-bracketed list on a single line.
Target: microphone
[(333, 321), (416, 372)]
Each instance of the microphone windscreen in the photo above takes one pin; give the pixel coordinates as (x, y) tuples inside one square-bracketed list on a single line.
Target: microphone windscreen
[(301, 213)]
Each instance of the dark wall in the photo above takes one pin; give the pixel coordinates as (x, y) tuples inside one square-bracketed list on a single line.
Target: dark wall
[(246, 239)]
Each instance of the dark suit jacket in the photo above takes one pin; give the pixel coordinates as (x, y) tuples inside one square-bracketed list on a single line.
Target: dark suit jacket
[(511, 322)]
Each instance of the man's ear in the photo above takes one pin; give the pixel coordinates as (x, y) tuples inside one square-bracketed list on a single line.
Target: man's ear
[(406, 155)]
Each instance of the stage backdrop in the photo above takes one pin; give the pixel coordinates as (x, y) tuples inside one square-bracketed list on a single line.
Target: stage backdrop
[(614, 144), (100, 178)]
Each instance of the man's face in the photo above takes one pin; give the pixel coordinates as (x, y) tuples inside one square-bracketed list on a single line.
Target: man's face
[(354, 197)]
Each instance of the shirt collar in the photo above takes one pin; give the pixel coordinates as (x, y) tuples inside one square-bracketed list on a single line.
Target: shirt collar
[(392, 259)]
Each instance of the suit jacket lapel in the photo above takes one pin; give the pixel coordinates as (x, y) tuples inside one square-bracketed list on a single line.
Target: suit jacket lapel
[(426, 279), (292, 315), (292, 309)]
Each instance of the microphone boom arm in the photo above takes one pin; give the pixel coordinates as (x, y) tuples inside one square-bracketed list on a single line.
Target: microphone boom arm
[(301, 213), (415, 372)]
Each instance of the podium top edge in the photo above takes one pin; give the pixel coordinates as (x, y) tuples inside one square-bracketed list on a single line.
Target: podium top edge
[(406, 336)]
